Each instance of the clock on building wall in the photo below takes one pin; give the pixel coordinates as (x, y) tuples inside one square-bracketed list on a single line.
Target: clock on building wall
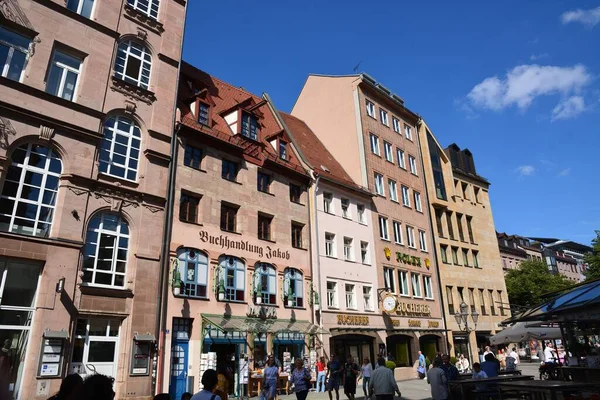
[(389, 303)]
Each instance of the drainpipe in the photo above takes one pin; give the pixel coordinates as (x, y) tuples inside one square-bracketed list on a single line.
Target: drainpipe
[(435, 253), (318, 257), (163, 285)]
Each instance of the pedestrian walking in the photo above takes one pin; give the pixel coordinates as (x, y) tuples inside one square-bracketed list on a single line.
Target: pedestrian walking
[(300, 378), (351, 371), (436, 377), (209, 383), (271, 376), (383, 384), (334, 377), (321, 366), (422, 367), (365, 374)]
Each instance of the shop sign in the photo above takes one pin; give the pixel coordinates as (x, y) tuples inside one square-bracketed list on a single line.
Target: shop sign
[(413, 309), (343, 319), (414, 323), (226, 243), (396, 323), (408, 259), (433, 324)]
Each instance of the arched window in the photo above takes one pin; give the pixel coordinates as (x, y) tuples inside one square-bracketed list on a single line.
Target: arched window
[(265, 283), (105, 252), (233, 278), (293, 287), (29, 193), (193, 269), (120, 151), (148, 7), (133, 63)]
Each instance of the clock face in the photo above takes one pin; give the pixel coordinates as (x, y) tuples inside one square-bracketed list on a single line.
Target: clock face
[(389, 303)]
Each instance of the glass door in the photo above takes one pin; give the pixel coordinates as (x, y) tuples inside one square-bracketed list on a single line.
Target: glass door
[(96, 347), (18, 287)]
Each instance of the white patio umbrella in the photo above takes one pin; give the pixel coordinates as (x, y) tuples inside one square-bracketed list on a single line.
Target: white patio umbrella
[(523, 331)]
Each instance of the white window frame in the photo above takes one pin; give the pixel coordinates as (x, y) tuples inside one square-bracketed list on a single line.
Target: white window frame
[(350, 292), (360, 213), (370, 108), (404, 287), (388, 279), (152, 4), (401, 159), (133, 135), (368, 298), (332, 294), (24, 168), (388, 152), (365, 255), (117, 234), (79, 9), (379, 188), (81, 367), (345, 204), (422, 240), (416, 284), (11, 51), (393, 187), (410, 236), (396, 124), (408, 132), (124, 53), (417, 197), (428, 286), (405, 196), (383, 115), (348, 248), (397, 232), (383, 228), (65, 69), (374, 140), (413, 165), (330, 250), (328, 203)]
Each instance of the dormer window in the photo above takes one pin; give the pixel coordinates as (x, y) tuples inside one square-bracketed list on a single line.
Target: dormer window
[(283, 150), (203, 116), (250, 127)]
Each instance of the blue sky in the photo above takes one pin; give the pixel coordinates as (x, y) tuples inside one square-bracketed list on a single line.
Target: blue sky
[(514, 81)]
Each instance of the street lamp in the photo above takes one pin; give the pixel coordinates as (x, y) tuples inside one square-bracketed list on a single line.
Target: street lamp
[(462, 318)]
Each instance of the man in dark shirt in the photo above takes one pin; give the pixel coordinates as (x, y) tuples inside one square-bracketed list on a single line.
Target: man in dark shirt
[(351, 371), (450, 370)]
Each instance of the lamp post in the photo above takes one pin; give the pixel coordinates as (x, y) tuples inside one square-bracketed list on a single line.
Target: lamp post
[(462, 318)]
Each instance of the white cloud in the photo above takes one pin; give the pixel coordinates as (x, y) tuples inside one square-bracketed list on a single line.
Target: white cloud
[(568, 108), (525, 170), (539, 56), (589, 18), (524, 83), (565, 172)]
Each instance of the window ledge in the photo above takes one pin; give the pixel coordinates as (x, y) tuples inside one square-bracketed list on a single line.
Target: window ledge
[(143, 19), (109, 177), (267, 240), (350, 261), (385, 240), (407, 206), (106, 292), (190, 222), (300, 248), (185, 297), (334, 257), (195, 169), (232, 232), (133, 91), (298, 203), (267, 193), (231, 180), (294, 308), (395, 201)]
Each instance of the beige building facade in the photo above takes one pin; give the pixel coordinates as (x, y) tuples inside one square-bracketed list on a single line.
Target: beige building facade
[(87, 93), (374, 137), (466, 245)]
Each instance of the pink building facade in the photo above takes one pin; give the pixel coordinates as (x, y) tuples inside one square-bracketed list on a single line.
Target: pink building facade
[(87, 92)]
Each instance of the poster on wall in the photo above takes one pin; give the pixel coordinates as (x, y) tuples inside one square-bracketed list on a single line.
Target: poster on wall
[(243, 371)]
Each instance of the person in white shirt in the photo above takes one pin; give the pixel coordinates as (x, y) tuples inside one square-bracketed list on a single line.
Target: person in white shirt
[(549, 354), (209, 381), (514, 355), (487, 351)]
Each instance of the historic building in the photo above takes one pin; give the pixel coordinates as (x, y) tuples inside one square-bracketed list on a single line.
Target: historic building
[(374, 137), (87, 91), (513, 250), (240, 278), (466, 245), (344, 264), (559, 254)]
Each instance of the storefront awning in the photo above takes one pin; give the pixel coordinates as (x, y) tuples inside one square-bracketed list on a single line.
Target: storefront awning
[(259, 325)]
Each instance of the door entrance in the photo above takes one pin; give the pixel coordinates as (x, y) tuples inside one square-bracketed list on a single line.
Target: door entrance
[(358, 346), (399, 348), (96, 347), (179, 356)]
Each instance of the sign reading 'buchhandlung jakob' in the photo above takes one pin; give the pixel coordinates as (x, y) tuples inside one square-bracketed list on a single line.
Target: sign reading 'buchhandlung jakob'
[(225, 242)]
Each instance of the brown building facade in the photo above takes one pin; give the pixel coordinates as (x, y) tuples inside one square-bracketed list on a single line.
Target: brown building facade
[(240, 280), (466, 245), (374, 137), (87, 92)]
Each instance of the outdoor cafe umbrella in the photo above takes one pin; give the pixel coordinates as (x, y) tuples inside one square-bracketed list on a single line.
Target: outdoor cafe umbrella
[(522, 332)]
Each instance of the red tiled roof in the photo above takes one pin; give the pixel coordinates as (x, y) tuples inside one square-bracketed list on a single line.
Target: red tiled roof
[(227, 98), (316, 153)]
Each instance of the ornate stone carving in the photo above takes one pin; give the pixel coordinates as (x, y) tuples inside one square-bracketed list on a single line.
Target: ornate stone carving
[(6, 130), (143, 19), (153, 209), (118, 199), (115, 204), (78, 191), (142, 34), (132, 92), (46, 132), (130, 107), (12, 11), (35, 41)]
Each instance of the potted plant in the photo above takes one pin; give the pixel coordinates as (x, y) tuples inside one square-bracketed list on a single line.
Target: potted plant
[(258, 294), (221, 290), (176, 281)]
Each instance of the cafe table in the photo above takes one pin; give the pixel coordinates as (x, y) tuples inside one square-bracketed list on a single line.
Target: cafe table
[(579, 374), (255, 384), (466, 385), (549, 390)]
